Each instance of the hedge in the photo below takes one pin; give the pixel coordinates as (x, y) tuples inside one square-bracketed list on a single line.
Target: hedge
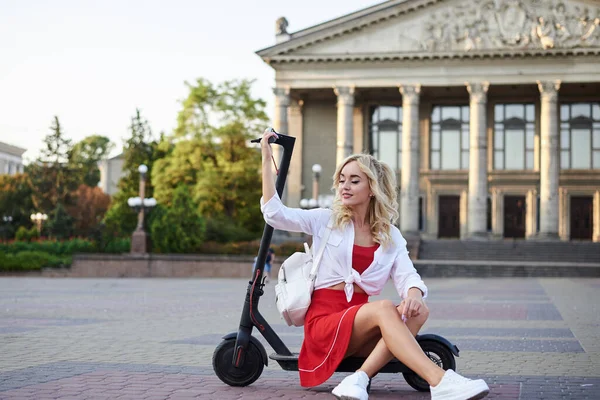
[(67, 247), (31, 261), (283, 250), (30, 256)]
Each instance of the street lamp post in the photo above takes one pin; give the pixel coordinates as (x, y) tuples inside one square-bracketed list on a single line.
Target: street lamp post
[(142, 205), (316, 169), (313, 202), (38, 219), (308, 204)]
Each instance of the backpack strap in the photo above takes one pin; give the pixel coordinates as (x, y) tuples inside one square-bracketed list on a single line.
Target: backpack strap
[(317, 259)]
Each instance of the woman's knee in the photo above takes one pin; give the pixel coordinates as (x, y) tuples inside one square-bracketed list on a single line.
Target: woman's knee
[(385, 307), (423, 312)]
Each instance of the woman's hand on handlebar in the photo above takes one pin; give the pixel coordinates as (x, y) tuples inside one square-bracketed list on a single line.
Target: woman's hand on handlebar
[(267, 152)]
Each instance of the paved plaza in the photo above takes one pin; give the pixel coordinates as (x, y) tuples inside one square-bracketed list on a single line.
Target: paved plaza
[(534, 338)]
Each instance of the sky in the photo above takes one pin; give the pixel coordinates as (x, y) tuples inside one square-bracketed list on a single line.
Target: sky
[(92, 63)]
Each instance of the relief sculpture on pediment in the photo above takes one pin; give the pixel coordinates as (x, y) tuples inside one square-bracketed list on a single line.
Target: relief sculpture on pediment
[(516, 24)]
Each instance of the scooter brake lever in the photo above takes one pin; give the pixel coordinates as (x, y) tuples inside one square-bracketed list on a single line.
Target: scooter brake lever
[(272, 139)]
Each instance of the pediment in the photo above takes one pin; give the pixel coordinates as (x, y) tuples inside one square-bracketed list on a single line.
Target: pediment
[(456, 27)]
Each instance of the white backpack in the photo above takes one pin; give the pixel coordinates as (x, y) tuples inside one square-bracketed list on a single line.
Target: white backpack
[(296, 282)]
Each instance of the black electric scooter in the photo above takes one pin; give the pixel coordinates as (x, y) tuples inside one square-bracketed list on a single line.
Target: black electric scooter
[(240, 358)]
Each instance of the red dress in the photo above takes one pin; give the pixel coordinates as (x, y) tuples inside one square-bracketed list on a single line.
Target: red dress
[(328, 325)]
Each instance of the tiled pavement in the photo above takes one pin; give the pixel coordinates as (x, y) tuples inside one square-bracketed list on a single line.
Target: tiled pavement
[(536, 338)]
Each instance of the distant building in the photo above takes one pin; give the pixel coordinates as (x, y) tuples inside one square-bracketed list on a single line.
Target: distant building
[(11, 160), (111, 171), (489, 111)]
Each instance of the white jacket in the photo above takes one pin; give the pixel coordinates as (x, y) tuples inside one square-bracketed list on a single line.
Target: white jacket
[(336, 265)]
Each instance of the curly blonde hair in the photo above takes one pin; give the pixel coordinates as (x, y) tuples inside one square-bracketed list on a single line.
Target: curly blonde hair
[(383, 206)]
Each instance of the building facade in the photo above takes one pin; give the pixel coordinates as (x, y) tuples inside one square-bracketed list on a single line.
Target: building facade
[(489, 110), (11, 159), (111, 172)]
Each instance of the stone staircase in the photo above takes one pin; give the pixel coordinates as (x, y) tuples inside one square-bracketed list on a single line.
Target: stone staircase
[(510, 250)]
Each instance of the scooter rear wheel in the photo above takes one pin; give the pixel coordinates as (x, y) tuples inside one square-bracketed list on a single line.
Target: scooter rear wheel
[(440, 355), (247, 373)]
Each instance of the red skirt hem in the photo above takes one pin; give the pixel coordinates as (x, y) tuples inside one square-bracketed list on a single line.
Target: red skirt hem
[(327, 333)]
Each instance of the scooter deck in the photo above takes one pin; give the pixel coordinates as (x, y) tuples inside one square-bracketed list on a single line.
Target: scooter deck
[(350, 364)]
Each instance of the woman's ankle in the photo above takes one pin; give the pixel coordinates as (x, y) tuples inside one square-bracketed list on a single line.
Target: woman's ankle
[(435, 377)]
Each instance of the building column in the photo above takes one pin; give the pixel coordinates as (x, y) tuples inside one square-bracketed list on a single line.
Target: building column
[(409, 178), (478, 191), (549, 159), (294, 181), (345, 128), (497, 213), (531, 216), (432, 213), (564, 214), (596, 217), (282, 103), (280, 122), (463, 213)]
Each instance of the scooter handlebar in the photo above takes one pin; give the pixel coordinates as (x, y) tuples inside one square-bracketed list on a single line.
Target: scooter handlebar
[(282, 140), (271, 140)]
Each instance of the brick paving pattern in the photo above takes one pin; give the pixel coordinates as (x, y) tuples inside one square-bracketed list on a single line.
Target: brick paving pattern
[(529, 338)]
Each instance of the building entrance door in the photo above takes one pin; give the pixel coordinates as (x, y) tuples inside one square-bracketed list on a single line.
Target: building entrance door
[(448, 220), (514, 217), (581, 217)]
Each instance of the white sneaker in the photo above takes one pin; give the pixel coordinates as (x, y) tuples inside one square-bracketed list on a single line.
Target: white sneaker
[(456, 387), (353, 387)]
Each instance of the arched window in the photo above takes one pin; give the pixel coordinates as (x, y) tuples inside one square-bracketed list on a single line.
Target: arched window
[(449, 137), (514, 126), (580, 136), (386, 135)]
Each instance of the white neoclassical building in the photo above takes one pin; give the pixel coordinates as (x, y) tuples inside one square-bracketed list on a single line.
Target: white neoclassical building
[(489, 110), (11, 159), (111, 172)]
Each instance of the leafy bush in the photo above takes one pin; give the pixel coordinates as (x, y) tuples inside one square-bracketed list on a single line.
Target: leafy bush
[(246, 248), (120, 219), (31, 261), (34, 234), (26, 235), (53, 247), (224, 230), (22, 234), (67, 247), (282, 251), (117, 246), (179, 228), (286, 249)]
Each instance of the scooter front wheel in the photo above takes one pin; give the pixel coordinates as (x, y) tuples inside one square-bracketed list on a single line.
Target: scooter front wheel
[(440, 354), (243, 375)]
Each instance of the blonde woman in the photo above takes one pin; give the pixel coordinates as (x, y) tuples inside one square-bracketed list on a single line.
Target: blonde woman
[(364, 250)]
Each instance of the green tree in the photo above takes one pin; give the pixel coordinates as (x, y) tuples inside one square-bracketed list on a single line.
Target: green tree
[(15, 202), (51, 177), (139, 149), (209, 152), (178, 228), (89, 209), (60, 224), (85, 155)]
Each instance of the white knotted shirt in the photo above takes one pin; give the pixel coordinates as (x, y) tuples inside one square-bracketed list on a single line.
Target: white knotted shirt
[(336, 265)]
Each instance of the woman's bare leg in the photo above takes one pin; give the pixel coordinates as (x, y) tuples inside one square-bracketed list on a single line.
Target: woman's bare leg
[(376, 352), (397, 340)]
